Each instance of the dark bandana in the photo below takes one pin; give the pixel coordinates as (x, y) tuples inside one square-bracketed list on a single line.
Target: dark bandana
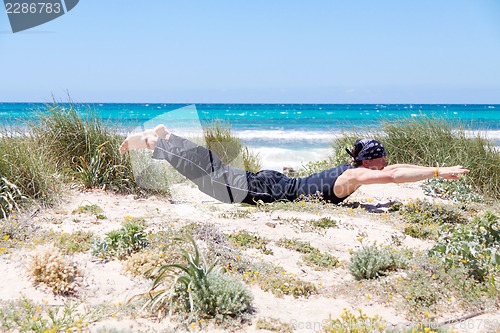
[(370, 149)]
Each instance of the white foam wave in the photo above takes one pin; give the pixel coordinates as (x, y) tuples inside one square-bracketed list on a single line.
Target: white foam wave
[(285, 135), (277, 158), (492, 135)]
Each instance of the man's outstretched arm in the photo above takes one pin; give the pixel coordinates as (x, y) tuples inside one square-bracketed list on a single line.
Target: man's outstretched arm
[(352, 179), (405, 174)]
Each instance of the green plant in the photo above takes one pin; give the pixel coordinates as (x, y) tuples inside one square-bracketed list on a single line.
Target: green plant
[(319, 226), (428, 288), (136, 220), (221, 141), (49, 267), (454, 190), (372, 261), (283, 284), (79, 241), (319, 260), (324, 223), (424, 218), (92, 209), (15, 233), (251, 161), (296, 245), (352, 323), (197, 289), (474, 246), (245, 240), (95, 170), (121, 243), (26, 316), (267, 276), (311, 203), (311, 255)]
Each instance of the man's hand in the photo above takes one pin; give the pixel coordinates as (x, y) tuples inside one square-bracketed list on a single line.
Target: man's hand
[(452, 172)]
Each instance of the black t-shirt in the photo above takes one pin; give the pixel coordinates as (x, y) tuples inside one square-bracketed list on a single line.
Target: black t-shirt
[(270, 185)]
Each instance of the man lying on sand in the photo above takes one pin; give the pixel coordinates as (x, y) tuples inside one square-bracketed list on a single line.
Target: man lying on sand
[(233, 185)]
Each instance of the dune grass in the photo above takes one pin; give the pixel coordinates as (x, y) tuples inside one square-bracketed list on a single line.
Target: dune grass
[(83, 146), (430, 141), (26, 166), (60, 146), (228, 147)]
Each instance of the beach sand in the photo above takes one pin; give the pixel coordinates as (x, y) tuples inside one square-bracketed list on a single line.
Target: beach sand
[(107, 284)]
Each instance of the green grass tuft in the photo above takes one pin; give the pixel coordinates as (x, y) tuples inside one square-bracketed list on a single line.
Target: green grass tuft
[(228, 147)]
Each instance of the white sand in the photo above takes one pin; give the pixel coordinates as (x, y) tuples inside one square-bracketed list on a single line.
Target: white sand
[(106, 283)]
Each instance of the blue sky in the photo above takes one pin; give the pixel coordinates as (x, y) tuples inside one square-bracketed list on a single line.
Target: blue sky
[(258, 51)]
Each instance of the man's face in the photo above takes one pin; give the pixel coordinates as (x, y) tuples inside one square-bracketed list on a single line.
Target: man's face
[(375, 164)]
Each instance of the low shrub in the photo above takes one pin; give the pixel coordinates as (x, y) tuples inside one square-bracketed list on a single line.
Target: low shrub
[(372, 261), (424, 218), (121, 243), (320, 260), (312, 203), (428, 289), (49, 267), (15, 233), (474, 246), (266, 275), (236, 214), (143, 263), (454, 190), (194, 289), (245, 240)]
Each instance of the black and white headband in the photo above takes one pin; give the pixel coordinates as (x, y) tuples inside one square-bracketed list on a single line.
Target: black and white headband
[(368, 149)]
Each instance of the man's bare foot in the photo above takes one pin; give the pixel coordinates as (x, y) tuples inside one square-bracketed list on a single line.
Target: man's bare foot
[(146, 139), (162, 131)]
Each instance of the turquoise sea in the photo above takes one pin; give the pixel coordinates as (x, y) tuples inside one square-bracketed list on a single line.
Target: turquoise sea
[(283, 134)]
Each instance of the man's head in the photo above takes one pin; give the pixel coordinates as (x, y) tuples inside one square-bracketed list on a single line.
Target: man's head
[(368, 153)]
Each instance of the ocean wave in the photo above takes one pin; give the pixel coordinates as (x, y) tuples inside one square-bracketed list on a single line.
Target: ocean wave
[(295, 135), (277, 158), (492, 135)]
